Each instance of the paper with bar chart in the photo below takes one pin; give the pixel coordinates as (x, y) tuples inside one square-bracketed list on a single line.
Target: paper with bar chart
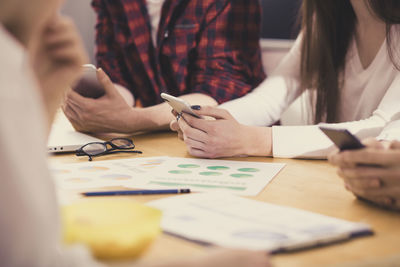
[(200, 175)]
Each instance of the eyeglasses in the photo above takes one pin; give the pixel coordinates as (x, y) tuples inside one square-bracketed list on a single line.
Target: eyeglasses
[(116, 145)]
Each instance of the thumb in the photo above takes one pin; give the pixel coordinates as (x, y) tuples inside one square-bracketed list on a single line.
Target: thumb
[(174, 126), (106, 82)]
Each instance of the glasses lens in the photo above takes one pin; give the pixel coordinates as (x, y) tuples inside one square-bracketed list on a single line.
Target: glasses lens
[(122, 143), (94, 149)]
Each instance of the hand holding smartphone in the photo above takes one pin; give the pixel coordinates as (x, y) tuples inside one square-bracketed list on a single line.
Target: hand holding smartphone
[(342, 138), (179, 105), (89, 85)]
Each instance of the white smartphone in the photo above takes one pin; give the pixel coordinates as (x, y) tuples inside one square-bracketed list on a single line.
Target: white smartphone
[(88, 85), (179, 105)]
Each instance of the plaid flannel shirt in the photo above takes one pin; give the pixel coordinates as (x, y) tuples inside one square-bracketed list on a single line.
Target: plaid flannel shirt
[(203, 46)]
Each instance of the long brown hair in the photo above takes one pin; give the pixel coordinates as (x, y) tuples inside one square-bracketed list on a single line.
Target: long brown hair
[(328, 27)]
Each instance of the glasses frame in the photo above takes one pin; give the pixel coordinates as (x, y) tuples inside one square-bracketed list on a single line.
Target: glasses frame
[(113, 150)]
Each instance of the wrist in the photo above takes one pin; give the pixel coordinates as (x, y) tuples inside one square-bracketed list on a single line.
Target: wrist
[(149, 119), (259, 141)]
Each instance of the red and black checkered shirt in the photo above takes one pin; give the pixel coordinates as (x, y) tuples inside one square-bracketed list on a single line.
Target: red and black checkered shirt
[(203, 46)]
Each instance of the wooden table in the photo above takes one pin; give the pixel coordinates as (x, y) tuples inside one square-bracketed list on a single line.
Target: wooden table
[(306, 184)]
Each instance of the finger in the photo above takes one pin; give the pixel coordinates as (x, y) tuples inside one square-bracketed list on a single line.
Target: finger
[(180, 135), (193, 143), (375, 192), (174, 126), (372, 143), (383, 201), (60, 24), (73, 117), (381, 157), (58, 21), (396, 203), (363, 183), (200, 124), (388, 177), (342, 159), (71, 105), (66, 54), (80, 108), (78, 100), (332, 157), (192, 132), (368, 157), (174, 112), (73, 112), (196, 152), (360, 172), (106, 82), (67, 38), (65, 33), (60, 45), (380, 201), (214, 112)]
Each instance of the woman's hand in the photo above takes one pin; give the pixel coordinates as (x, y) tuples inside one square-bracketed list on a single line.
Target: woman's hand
[(221, 137), (372, 173)]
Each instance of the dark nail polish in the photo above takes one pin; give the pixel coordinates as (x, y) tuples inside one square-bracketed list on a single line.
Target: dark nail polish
[(196, 107)]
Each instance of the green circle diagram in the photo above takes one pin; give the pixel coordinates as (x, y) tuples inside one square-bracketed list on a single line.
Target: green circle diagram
[(241, 175), (218, 168), (179, 172), (188, 166), (210, 173), (248, 170)]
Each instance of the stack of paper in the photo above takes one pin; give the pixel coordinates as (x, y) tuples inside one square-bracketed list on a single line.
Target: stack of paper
[(235, 222)]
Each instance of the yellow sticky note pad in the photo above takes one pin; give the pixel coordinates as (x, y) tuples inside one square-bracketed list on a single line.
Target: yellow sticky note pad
[(113, 228)]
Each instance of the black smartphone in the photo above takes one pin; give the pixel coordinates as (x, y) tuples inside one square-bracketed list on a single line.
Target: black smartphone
[(342, 138), (88, 85)]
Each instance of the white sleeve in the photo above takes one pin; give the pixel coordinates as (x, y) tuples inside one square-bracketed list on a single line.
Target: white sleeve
[(265, 104), (310, 142), (391, 132)]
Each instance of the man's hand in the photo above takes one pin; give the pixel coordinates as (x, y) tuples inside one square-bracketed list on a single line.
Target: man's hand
[(109, 113), (57, 56), (372, 173)]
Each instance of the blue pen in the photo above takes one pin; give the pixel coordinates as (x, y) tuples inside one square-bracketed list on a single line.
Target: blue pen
[(137, 192)]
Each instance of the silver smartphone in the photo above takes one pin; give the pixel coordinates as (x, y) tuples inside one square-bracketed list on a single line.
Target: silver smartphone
[(179, 105), (88, 85)]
